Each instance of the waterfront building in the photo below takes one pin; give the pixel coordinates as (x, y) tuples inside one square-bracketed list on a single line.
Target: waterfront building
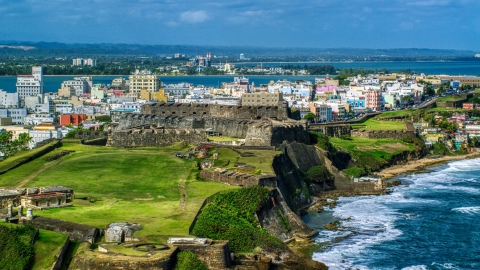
[(30, 85), (76, 87), (178, 90), (262, 99), (143, 80), (119, 84), (84, 62), (9, 100), (17, 115)]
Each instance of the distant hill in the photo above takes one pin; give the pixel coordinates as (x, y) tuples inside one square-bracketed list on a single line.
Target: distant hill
[(82, 50)]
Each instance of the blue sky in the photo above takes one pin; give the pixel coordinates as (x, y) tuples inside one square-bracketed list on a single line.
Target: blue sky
[(439, 24)]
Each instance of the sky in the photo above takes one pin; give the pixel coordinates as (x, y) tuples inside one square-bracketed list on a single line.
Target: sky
[(435, 24)]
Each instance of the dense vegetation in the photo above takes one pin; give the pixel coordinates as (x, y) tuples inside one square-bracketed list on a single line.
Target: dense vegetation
[(186, 260), (16, 247), (232, 216), (318, 174)]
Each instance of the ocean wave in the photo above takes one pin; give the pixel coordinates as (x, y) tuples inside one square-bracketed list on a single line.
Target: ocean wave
[(471, 210), (415, 267), (445, 265)]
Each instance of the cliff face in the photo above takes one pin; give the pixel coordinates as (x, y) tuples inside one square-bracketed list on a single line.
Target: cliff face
[(276, 217)]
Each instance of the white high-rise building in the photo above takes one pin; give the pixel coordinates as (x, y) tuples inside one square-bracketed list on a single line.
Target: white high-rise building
[(30, 85)]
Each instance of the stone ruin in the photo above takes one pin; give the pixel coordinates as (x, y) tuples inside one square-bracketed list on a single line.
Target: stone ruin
[(37, 198), (121, 232)]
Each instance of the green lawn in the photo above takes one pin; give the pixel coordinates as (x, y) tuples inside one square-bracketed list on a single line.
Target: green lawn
[(448, 98), (381, 149), (397, 113), (372, 124), (261, 159), (221, 138), (47, 246), (133, 185)]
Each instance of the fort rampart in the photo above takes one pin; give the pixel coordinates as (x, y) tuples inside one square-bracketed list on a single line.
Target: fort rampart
[(217, 110), (383, 134)]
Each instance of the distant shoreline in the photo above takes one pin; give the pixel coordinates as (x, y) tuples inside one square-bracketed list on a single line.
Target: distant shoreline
[(422, 164)]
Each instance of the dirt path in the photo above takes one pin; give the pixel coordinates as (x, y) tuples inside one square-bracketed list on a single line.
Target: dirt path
[(30, 177)]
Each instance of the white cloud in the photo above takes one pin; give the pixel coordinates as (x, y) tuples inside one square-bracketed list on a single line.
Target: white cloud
[(194, 16)]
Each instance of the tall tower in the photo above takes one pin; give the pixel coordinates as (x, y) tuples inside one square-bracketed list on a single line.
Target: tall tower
[(37, 73), (209, 59)]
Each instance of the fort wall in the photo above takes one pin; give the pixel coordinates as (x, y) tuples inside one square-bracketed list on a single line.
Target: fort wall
[(217, 110), (383, 134), (76, 231), (150, 136), (239, 179)]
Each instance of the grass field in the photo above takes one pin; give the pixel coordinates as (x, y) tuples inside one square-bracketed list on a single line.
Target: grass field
[(397, 113), (372, 124), (261, 159), (381, 149), (144, 185), (448, 98)]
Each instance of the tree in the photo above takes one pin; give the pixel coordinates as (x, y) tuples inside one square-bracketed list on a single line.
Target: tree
[(309, 116)]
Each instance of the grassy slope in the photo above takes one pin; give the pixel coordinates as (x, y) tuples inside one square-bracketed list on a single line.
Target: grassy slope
[(262, 159), (372, 124), (381, 149), (46, 246), (133, 185)]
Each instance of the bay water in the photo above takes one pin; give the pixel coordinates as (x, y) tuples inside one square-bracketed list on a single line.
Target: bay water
[(431, 221)]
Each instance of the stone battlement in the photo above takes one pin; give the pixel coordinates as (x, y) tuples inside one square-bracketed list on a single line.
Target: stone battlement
[(217, 110)]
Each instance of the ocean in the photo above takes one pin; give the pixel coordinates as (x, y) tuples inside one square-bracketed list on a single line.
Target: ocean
[(429, 222), (469, 68)]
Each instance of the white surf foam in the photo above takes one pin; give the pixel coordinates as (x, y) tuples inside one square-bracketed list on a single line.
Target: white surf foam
[(415, 267), (471, 210)]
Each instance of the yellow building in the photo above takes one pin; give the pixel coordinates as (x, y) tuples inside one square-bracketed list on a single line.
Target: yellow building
[(141, 81), (262, 99), (148, 96)]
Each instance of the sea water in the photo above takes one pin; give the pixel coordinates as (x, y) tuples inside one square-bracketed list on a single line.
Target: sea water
[(432, 221)]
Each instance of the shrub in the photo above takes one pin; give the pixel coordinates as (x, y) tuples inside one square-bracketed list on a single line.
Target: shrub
[(318, 174), (16, 249), (321, 140), (355, 172), (407, 139), (231, 216), (187, 260), (440, 149)]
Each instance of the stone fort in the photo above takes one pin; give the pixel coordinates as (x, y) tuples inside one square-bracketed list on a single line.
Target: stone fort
[(163, 124)]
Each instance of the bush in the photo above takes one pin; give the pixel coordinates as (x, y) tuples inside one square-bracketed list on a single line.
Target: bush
[(16, 249), (231, 216), (318, 174), (440, 149), (187, 260), (355, 172), (322, 141), (407, 139), (369, 161)]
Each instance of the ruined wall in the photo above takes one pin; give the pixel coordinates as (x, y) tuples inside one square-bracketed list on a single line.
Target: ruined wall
[(383, 134), (216, 255), (290, 132), (216, 110), (239, 179), (156, 137), (61, 255), (368, 188), (76, 231), (88, 260), (91, 135), (229, 127)]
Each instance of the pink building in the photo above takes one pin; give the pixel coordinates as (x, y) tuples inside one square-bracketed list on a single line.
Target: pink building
[(374, 100)]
